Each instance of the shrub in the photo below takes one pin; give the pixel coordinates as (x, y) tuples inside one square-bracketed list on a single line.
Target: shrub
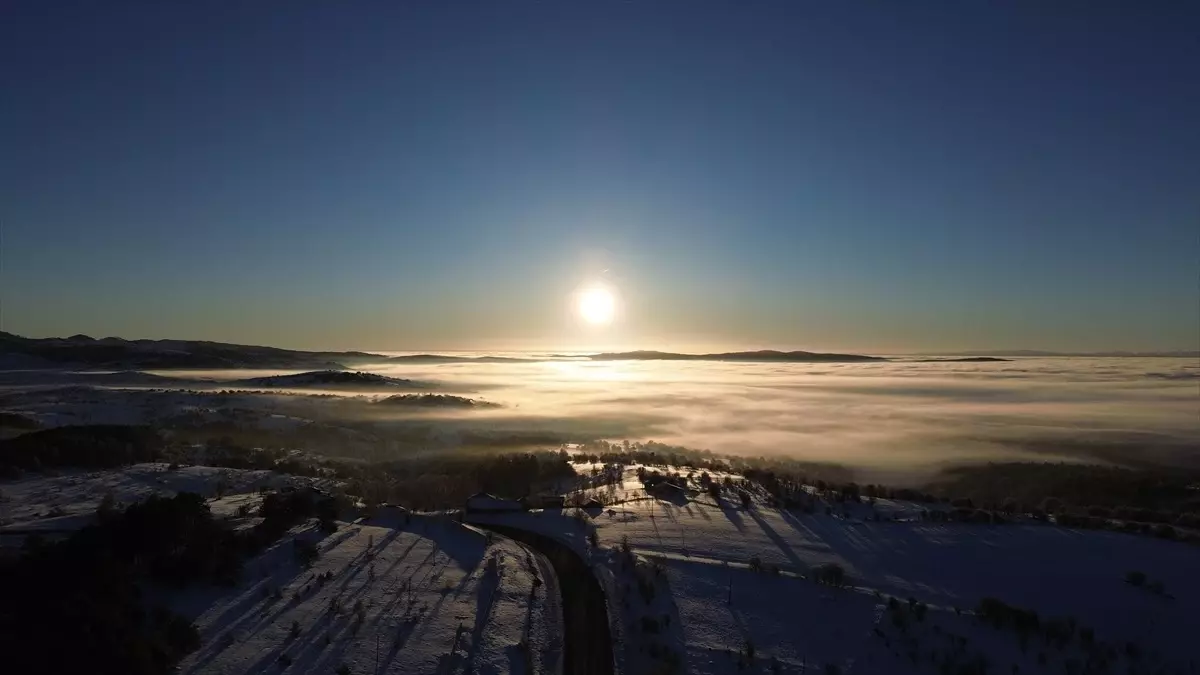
[(830, 573), (919, 610), (305, 552), (1001, 614), (1164, 531), (108, 507), (1191, 520)]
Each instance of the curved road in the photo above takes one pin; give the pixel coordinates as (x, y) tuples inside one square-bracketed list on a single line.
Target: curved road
[(587, 648)]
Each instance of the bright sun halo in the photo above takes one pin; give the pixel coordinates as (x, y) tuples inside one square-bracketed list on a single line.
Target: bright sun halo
[(596, 305)]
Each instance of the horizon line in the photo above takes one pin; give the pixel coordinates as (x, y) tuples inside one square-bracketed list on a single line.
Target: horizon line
[(575, 351)]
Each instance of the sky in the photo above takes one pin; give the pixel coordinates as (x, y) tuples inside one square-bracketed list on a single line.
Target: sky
[(869, 176)]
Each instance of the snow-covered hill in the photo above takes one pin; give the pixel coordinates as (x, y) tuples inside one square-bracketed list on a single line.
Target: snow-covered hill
[(330, 379), (427, 596)]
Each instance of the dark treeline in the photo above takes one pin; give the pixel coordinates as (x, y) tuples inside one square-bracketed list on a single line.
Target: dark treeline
[(84, 595), (446, 482), (15, 421), (1029, 490), (359, 441), (422, 483), (1143, 495), (786, 488), (83, 446), (425, 482), (652, 453)]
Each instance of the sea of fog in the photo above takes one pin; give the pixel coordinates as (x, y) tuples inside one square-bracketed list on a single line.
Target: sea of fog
[(891, 421), (889, 417)]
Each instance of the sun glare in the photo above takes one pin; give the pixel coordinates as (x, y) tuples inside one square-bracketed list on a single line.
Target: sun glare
[(596, 305)]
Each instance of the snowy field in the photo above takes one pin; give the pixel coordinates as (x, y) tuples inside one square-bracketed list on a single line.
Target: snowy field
[(431, 596), (69, 499), (717, 603), (413, 593)]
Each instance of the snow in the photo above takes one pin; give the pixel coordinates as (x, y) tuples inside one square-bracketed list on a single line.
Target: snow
[(30, 500), (435, 597), (703, 545), (793, 621)]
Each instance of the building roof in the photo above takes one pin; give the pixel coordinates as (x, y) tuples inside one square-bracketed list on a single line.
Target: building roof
[(482, 501)]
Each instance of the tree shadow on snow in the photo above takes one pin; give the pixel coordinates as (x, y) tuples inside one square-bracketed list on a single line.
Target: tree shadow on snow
[(779, 541), (485, 601), (732, 514), (239, 617)]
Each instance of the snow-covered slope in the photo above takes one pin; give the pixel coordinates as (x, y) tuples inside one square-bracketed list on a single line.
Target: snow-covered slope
[(430, 596)]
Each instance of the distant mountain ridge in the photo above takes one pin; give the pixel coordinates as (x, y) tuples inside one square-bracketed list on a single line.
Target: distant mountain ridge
[(963, 359), (1037, 352), (765, 355), (444, 358), (110, 352)]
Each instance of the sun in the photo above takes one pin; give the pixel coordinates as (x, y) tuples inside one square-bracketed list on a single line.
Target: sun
[(596, 305)]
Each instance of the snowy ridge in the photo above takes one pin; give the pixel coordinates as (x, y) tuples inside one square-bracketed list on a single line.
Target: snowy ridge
[(434, 597)]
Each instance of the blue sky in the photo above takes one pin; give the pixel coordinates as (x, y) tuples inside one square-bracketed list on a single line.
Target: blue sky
[(433, 175)]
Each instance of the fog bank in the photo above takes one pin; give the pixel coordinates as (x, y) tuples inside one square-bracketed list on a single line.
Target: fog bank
[(892, 417)]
